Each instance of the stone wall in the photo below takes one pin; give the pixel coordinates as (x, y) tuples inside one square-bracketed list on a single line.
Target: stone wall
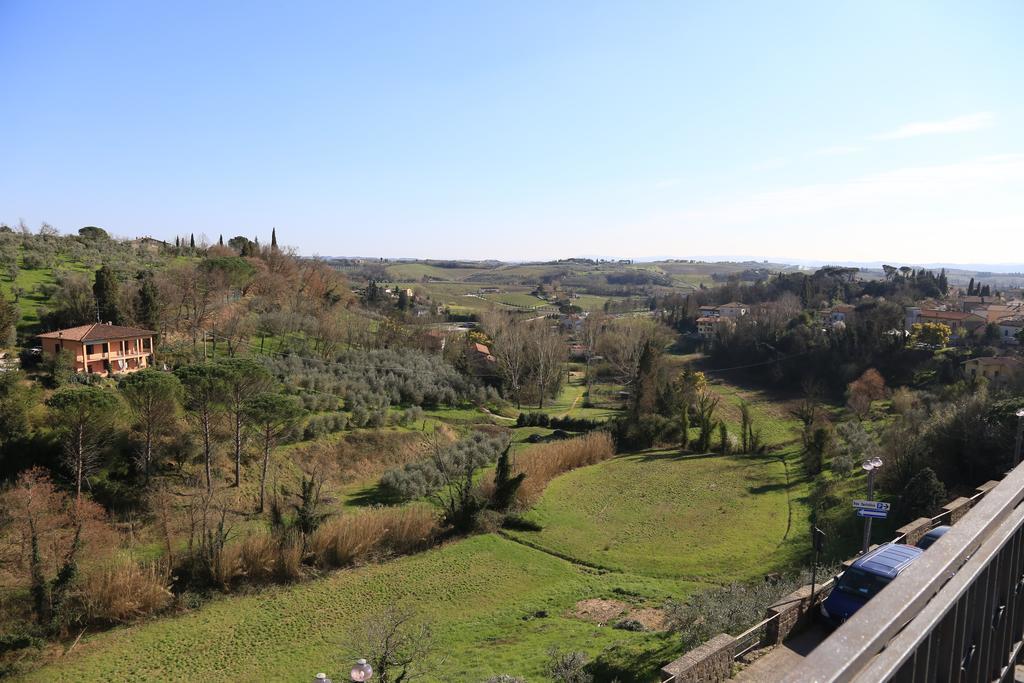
[(913, 532), (792, 612), (956, 509), (711, 662)]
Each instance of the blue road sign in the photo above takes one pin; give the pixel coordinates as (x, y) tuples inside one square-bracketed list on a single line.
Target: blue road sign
[(875, 514)]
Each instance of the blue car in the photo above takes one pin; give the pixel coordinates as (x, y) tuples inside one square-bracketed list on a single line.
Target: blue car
[(862, 581), (932, 536)]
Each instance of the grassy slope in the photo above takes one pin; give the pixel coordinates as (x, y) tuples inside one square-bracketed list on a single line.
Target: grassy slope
[(702, 518), (477, 591), (665, 525)]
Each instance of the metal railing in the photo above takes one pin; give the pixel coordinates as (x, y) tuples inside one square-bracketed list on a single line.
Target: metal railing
[(956, 614)]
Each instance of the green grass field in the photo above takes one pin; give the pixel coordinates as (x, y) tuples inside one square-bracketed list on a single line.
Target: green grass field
[(481, 594), (702, 518)]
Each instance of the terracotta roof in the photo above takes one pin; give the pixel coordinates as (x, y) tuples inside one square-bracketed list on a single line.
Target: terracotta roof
[(480, 348), (948, 315), (707, 319), (97, 332)]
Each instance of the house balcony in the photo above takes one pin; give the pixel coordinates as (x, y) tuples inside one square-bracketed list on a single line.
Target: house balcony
[(116, 355)]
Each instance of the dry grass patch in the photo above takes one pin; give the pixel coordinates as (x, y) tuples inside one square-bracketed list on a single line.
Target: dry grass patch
[(541, 464), (373, 533), (125, 591)]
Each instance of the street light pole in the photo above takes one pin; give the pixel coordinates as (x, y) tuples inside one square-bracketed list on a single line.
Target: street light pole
[(870, 466)]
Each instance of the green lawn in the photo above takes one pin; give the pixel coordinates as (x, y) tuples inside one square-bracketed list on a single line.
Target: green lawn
[(702, 518), (479, 593)]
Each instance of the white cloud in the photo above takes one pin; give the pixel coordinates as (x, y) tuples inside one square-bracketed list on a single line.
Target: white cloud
[(960, 124)]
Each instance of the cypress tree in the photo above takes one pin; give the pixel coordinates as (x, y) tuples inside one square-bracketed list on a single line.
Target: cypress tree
[(505, 485), (105, 290), (970, 287), (147, 302), (192, 241), (684, 440), (273, 239), (221, 241)]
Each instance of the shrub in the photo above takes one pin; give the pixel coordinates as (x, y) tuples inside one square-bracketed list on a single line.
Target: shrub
[(729, 609), (568, 667), (646, 431), (321, 425), (572, 424), (629, 625), (923, 494), (122, 592), (449, 464)]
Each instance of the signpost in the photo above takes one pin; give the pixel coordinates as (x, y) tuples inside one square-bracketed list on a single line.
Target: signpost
[(872, 514)]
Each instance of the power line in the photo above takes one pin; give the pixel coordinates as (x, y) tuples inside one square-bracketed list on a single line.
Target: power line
[(754, 365)]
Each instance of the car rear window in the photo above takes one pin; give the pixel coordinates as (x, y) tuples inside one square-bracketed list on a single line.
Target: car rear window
[(860, 583)]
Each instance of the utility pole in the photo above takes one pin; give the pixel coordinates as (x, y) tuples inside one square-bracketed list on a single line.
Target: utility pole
[(818, 539)]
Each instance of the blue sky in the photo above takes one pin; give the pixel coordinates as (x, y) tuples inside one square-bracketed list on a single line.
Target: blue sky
[(802, 130)]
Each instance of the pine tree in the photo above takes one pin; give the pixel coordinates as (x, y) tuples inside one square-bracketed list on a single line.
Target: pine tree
[(105, 289), (273, 239)]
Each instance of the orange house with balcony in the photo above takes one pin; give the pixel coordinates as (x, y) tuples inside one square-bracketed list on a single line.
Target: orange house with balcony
[(103, 348)]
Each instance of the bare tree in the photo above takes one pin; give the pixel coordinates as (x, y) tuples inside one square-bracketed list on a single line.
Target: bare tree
[(547, 354), (623, 342), (593, 329), (510, 351), (397, 645)]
